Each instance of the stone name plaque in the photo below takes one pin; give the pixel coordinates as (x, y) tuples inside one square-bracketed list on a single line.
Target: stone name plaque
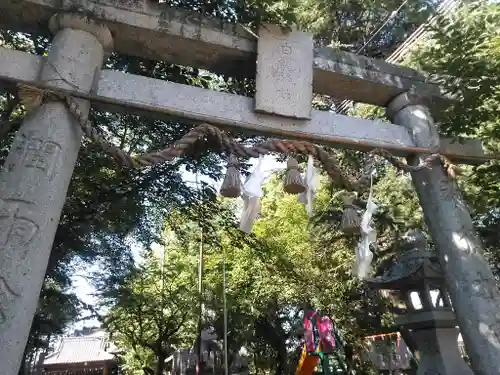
[(284, 72)]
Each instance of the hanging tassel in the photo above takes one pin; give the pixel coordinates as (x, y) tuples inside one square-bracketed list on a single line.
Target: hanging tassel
[(351, 221), (293, 182), (231, 186)]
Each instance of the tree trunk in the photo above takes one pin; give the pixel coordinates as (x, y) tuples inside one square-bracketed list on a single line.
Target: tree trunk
[(279, 361), (281, 357), (25, 361), (160, 365), (22, 367)]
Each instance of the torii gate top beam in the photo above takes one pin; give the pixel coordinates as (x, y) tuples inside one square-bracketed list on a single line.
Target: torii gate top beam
[(117, 91), (139, 28), (143, 28)]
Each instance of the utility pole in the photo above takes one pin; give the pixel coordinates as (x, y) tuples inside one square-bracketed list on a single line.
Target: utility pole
[(199, 348)]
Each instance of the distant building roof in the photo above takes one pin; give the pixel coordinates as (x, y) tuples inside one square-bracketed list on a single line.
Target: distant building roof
[(89, 331), (84, 348)]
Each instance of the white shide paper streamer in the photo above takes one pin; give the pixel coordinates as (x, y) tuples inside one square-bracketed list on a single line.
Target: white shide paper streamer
[(364, 256), (311, 181), (252, 192)]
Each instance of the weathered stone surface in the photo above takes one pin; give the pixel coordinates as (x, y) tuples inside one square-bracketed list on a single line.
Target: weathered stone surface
[(33, 185), (469, 279), (433, 325), (439, 352), (236, 112), (359, 77), (18, 66), (143, 28), (284, 74)]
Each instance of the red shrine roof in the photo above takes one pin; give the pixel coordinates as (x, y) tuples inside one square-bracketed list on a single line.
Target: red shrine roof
[(89, 348)]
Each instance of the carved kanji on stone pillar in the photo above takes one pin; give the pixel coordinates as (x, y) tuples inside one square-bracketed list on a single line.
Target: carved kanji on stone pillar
[(39, 153), (17, 228)]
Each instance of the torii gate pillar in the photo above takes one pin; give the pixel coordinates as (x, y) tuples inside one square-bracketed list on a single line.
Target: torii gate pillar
[(470, 281), (35, 179)]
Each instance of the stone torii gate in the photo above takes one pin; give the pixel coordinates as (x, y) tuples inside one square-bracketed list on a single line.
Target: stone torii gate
[(36, 174)]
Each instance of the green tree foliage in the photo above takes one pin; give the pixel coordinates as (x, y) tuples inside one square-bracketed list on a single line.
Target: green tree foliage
[(323, 258), (286, 266), (374, 28), (56, 309), (289, 264), (462, 56), (149, 311), (138, 300)]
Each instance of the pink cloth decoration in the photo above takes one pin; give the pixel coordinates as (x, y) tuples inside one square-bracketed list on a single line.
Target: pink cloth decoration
[(318, 330), (325, 327), (309, 331)]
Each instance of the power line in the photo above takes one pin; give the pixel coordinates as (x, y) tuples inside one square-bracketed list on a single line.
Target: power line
[(417, 36), (391, 16)]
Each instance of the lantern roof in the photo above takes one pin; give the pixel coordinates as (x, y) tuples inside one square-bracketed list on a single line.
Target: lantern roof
[(414, 266)]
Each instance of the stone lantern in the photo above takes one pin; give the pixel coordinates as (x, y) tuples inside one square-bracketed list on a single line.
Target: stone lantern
[(430, 318)]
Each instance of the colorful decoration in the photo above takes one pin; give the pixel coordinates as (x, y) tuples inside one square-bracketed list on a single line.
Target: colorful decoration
[(327, 339), (307, 363), (319, 342), (309, 334), (318, 331)]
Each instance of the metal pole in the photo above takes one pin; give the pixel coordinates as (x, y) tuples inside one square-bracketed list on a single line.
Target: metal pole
[(199, 369), (162, 307), (226, 370), (200, 319)]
